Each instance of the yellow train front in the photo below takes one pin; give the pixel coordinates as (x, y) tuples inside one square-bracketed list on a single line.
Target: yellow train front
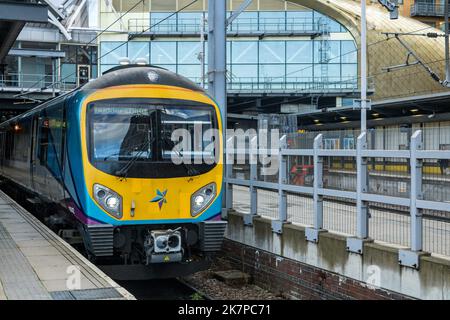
[(133, 161)]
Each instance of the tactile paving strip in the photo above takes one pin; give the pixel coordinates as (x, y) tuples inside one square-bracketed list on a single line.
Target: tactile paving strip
[(16, 274), (88, 294)]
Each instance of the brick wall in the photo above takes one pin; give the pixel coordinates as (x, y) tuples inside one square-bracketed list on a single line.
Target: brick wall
[(296, 280)]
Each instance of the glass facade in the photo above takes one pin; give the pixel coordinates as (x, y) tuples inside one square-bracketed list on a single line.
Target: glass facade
[(316, 51), (252, 64)]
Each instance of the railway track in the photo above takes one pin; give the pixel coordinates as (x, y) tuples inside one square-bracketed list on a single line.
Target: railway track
[(163, 289)]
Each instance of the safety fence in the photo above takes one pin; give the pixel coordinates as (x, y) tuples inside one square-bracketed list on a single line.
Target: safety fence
[(352, 185)]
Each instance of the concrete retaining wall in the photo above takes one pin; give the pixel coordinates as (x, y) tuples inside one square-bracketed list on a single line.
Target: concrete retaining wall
[(331, 271)]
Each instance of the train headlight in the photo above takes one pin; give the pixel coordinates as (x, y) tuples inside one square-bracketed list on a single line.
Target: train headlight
[(112, 202), (202, 198), (109, 200)]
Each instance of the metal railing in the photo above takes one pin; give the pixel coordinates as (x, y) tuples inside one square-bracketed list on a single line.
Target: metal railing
[(292, 84), (25, 80), (334, 187), (420, 8), (243, 25), (38, 82), (20, 82)]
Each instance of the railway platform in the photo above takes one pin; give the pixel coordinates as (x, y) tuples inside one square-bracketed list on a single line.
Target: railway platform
[(36, 264)]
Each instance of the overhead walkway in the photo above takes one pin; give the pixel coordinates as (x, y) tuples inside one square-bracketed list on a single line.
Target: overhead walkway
[(35, 264)]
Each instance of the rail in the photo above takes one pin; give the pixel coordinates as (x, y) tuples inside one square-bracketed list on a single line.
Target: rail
[(409, 207), (38, 82), (292, 84), (244, 25)]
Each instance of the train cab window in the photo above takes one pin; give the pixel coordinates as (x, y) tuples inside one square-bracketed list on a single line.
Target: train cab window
[(197, 125), (135, 137)]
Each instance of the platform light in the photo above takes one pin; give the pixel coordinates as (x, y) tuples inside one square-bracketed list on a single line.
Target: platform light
[(344, 118), (414, 110), (316, 120), (375, 114)]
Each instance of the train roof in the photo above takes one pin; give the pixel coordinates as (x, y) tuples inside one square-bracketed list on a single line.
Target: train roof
[(140, 74)]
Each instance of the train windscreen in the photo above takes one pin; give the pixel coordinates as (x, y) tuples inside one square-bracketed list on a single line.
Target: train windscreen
[(151, 140)]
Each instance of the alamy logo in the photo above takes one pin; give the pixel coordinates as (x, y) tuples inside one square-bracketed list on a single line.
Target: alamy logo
[(73, 281), (374, 277)]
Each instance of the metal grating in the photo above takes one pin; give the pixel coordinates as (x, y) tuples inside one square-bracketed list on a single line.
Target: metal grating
[(212, 233), (101, 237)]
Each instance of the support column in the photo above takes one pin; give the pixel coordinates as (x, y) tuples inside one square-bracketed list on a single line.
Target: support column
[(411, 258), (253, 159), (277, 225), (217, 61), (356, 245), (312, 234), (229, 152)]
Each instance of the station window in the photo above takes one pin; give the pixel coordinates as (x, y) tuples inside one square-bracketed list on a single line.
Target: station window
[(299, 51), (112, 51), (188, 52), (138, 49), (163, 52), (244, 52), (272, 52)]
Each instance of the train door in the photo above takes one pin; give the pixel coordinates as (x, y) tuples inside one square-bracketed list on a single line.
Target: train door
[(2, 149), (40, 171), (34, 134)]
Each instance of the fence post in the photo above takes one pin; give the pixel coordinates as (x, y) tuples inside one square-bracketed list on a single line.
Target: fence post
[(411, 258), (312, 234), (277, 225), (356, 245), (228, 175), (253, 159)]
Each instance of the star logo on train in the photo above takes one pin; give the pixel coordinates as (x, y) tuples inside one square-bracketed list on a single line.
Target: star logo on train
[(160, 198)]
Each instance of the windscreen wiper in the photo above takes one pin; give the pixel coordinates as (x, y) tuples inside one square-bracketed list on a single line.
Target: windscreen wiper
[(123, 172)]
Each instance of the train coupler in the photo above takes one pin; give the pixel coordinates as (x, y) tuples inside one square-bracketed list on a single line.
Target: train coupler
[(163, 246)]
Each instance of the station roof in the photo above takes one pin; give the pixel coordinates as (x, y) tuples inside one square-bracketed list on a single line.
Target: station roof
[(404, 82), (398, 111), (13, 16)]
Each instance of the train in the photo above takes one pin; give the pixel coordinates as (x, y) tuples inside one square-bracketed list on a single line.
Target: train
[(98, 163)]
